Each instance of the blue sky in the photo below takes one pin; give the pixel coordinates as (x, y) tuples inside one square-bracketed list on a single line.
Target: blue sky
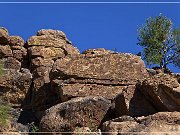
[(87, 25)]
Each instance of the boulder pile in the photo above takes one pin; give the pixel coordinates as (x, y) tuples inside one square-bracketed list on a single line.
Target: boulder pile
[(97, 90)]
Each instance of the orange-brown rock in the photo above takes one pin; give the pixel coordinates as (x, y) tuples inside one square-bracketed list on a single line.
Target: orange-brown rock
[(16, 41), (43, 49), (95, 74), (72, 90), (15, 85), (79, 112), (11, 63), (97, 51), (124, 68), (163, 91), (5, 51), (159, 123), (46, 53), (20, 55)]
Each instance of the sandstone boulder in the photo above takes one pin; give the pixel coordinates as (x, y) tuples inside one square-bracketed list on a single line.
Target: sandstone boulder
[(124, 68), (46, 53), (96, 74), (5, 51), (14, 86), (53, 39), (163, 91), (79, 112), (11, 63), (160, 123), (4, 35), (16, 41)]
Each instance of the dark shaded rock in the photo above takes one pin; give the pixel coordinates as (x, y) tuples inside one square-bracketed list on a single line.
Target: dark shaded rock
[(163, 91), (4, 35), (133, 103), (79, 112)]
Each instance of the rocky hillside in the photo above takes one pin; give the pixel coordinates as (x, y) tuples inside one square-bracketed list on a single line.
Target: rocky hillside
[(51, 87)]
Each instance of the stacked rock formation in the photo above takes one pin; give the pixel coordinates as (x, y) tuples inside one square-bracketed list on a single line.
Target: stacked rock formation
[(97, 90), (16, 81), (44, 49)]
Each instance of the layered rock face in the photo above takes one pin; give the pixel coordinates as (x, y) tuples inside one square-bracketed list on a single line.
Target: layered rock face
[(163, 91), (44, 49), (98, 74), (70, 92), (16, 80), (159, 123)]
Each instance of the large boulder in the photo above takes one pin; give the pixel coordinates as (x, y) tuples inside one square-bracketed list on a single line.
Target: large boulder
[(163, 91), (11, 63), (52, 39), (123, 68), (79, 112), (160, 123), (4, 35), (15, 85), (5, 51), (16, 41), (97, 72)]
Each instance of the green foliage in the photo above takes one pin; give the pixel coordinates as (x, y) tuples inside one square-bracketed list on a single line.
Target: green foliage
[(1, 69), (160, 42), (4, 114), (33, 128)]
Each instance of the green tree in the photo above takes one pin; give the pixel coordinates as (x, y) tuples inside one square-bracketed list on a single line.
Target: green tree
[(160, 42)]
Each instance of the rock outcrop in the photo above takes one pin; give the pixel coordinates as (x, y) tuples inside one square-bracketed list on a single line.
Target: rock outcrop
[(133, 103), (79, 112), (15, 86), (61, 90), (96, 74), (43, 50), (159, 123), (163, 91)]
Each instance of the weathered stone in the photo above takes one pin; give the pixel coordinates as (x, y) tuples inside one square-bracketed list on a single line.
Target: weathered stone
[(53, 33), (162, 122), (46, 53), (5, 51), (20, 55), (16, 41), (163, 91), (46, 40), (79, 112), (38, 62), (4, 35), (11, 63), (67, 90), (124, 68), (97, 51), (133, 103), (14, 85)]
